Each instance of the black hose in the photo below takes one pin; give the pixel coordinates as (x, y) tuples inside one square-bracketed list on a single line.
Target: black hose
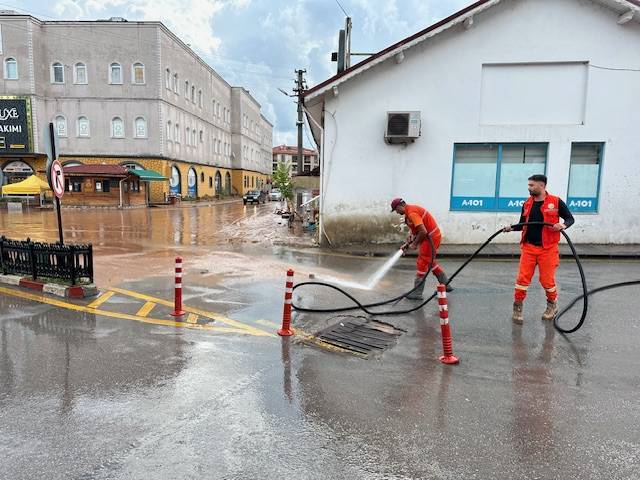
[(367, 307)]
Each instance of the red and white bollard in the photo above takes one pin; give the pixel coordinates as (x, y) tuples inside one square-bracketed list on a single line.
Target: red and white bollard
[(177, 303), (286, 331), (447, 343)]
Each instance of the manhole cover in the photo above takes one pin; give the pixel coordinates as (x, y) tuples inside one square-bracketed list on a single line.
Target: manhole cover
[(360, 335)]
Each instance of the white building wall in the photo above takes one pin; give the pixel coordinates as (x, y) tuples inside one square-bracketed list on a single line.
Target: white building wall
[(250, 131), (443, 79)]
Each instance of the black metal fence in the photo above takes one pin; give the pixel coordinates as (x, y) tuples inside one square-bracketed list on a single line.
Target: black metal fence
[(46, 260)]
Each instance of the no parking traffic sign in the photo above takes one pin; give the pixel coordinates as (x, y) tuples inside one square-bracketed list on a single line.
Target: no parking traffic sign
[(56, 178)]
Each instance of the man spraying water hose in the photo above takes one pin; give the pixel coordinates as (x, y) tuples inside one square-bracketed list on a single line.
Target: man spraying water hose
[(539, 245), (422, 224)]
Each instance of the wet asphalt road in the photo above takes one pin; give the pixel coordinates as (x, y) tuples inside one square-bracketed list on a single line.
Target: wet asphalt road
[(84, 396)]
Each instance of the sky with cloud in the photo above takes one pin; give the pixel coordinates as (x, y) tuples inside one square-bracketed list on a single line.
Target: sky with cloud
[(259, 43)]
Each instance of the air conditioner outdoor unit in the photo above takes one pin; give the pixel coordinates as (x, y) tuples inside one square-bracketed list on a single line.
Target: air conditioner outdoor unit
[(402, 127)]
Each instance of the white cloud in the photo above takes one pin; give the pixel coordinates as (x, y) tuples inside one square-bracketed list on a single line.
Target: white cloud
[(285, 138), (258, 44), (191, 20)]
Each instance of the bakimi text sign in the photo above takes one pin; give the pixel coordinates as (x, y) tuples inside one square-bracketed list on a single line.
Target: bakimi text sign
[(15, 125)]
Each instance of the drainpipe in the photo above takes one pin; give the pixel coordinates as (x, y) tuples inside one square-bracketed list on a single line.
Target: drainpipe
[(120, 187), (321, 231)]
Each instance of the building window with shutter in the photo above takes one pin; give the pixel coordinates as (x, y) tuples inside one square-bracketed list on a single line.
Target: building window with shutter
[(83, 127), (80, 74), (10, 69), (137, 74), (140, 126), (57, 73), (117, 127), (61, 125), (115, 74)]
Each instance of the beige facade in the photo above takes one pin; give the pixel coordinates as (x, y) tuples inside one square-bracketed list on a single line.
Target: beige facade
[(131, 92)]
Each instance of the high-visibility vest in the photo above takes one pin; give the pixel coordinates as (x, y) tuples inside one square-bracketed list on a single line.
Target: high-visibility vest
[(427, 219), (550, 237)]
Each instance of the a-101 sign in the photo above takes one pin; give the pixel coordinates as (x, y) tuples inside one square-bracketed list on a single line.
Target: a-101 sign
[(15, 125)]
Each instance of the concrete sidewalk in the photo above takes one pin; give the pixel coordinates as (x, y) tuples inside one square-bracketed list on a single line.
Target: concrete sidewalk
[(498, 250)]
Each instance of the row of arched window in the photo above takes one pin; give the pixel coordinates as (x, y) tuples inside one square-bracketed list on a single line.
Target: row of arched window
[(193, 186), (248, 124), (195, 138), (194, 95), (80, 73), (83, 127), (250, 153)]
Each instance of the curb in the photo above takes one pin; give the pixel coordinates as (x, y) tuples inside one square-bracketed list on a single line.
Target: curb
[(64, 291)]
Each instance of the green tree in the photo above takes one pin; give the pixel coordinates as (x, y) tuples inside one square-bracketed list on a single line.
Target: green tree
[(282, 181)]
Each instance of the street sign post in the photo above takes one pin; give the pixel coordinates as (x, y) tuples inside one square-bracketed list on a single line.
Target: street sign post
[(55, 174)]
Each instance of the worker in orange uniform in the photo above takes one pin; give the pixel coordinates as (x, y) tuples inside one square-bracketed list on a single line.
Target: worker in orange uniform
[(539, 245), (422, 224)]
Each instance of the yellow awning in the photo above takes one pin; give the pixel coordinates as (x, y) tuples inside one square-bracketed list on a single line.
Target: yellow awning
[(31, 186)]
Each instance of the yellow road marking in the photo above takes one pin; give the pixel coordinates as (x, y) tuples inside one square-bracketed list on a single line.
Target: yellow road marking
[(125, 316), (309, 338), (267, 323), (192, 318), (312, 339), (197, 311), (146, 309), (101, 299)]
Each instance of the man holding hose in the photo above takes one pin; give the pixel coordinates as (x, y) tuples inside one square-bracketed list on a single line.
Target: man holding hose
[(539, 245), (422, 225)]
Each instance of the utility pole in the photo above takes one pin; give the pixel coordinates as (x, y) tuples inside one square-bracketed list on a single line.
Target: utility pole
[(301, 87)]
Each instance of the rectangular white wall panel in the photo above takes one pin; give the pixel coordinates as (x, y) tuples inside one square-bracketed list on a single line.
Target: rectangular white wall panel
[(533, 94)]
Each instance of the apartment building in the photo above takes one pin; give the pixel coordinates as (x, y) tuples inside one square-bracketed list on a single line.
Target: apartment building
[(126, 93)]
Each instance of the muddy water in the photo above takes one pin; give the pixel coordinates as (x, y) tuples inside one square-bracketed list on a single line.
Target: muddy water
[(133, 229), (135, 242)]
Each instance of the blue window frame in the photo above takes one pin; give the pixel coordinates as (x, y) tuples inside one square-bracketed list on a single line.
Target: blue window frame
[(584, 177), (493, 176)]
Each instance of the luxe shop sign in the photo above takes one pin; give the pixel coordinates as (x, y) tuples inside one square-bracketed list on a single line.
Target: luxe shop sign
[(15, 125)]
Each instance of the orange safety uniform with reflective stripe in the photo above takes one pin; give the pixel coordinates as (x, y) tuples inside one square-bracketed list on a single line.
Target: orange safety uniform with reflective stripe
[(546, 257), (414, 216), (550, 237)]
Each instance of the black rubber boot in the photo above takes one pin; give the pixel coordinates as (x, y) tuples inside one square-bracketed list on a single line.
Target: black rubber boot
[(442, 278), (416, 293)]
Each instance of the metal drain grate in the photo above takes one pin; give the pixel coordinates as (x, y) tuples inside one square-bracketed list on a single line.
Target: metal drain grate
[(362, 336)]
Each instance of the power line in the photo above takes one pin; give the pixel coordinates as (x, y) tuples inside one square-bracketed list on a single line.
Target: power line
[(615, 69), (341, 8), (306, 132)]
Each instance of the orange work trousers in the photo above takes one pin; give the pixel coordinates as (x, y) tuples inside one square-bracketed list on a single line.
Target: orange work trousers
[(547, 260), (424, 255)]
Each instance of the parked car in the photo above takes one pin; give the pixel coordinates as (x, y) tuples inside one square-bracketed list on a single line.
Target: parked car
[(275, 194), (254, 196)]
